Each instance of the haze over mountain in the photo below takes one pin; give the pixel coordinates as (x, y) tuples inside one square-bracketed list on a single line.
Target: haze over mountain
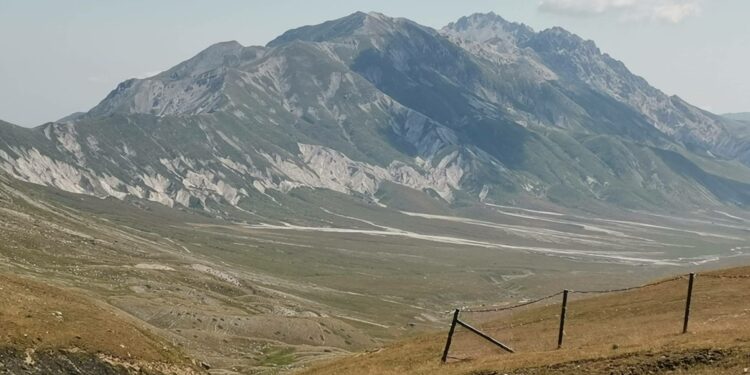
[(481, 110), (740, 116), (348, 183)]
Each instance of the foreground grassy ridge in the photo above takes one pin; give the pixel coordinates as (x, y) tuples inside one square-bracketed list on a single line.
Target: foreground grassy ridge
[(39, 318), (630, 332)]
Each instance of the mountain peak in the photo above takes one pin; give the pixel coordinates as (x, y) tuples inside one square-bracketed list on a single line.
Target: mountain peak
[(226, 45), (378, 15), (483, 27), (210, 58), (480, 18), (358, 23), (328, 30), (562, 38), (192, 86)]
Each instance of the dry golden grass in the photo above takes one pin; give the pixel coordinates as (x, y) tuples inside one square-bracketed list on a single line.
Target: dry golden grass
[(36, 316), (604, 334)]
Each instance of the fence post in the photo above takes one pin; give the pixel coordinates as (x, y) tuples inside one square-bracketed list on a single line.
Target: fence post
[(562, 319), (450, 336), (687, 303)]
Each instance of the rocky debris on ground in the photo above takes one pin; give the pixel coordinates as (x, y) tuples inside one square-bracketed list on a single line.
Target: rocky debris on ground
[(65, 362)]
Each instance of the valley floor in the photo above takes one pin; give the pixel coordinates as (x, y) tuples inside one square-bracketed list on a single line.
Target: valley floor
[(268, 297)]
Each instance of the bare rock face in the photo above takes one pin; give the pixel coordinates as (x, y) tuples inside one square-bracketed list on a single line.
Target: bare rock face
[(482, 109)]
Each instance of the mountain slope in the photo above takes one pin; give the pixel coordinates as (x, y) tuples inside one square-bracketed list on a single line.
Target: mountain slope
[(247, 297), (579, 63), (484, 109)]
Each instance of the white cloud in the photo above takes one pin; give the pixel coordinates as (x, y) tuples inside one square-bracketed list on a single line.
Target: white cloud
[(672, 11)]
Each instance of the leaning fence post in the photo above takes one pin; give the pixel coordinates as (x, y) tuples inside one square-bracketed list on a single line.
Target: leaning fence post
[(450, 336), (562, 319), (485, 336), (687, 303)]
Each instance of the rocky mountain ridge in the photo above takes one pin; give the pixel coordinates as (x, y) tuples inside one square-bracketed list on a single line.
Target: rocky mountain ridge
[(484, 109)]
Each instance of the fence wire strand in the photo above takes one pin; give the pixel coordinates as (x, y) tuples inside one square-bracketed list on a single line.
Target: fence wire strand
[(628, 289), (511, 326), (725, 276), (602, 291), (506, 308)]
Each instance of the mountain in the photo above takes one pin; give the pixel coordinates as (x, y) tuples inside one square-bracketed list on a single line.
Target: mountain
[(256, 208), (741, 116), (481, 110)]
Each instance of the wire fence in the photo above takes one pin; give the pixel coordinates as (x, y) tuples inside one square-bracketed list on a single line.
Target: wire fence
[(570, 291), (506, 308), (726, 276), (669, 301)]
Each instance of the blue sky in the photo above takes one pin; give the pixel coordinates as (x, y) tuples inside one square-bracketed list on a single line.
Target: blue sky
[(59, 57)]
